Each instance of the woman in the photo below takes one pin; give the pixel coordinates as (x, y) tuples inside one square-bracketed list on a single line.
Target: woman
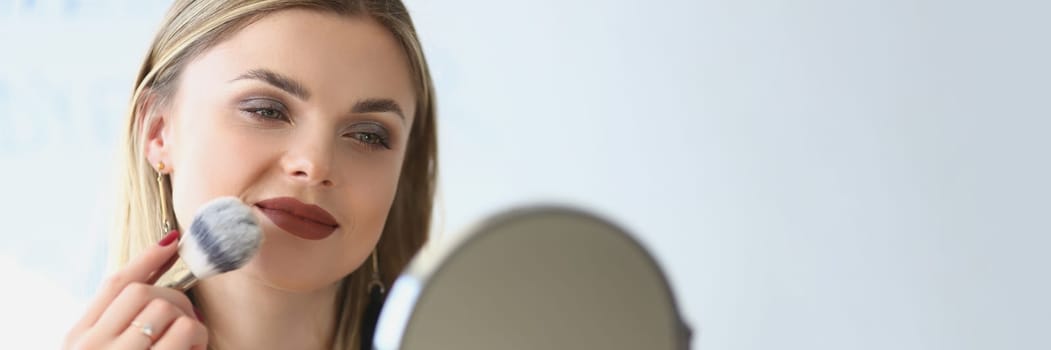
[(288, 105)]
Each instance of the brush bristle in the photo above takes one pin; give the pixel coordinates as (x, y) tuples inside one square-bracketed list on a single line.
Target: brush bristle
[(223, 236)]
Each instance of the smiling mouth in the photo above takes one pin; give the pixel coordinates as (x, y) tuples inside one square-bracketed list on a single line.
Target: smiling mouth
[(304, 221), (298, 225)]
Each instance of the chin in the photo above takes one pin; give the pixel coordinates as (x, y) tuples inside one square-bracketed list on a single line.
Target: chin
[(284, 278), (290, 267)]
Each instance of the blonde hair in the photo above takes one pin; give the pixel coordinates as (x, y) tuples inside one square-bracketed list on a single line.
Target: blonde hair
[(193, 26)]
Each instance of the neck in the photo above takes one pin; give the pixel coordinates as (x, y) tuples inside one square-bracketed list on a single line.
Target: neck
[(242, 313)]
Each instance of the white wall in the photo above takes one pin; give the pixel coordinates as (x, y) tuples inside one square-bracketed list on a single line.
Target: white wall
[(812, 174)]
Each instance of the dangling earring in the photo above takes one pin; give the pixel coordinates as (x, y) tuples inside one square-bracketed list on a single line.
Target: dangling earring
[(376, 284), (372, 311), (166, 224)]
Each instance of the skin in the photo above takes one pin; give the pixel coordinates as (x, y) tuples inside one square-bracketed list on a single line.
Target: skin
[(229, 131)]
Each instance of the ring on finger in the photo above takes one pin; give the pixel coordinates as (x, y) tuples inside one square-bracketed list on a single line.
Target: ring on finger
[(145, 328)]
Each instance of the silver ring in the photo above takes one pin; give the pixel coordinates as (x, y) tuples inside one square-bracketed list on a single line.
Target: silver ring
[(145, 328)]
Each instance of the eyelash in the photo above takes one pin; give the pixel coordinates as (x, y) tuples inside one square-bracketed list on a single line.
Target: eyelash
[(255, 111), (371, 140), (377, 140)]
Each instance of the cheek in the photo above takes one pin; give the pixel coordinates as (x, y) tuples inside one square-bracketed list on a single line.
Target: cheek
[(211, 161), (369, 194), (370, 190)]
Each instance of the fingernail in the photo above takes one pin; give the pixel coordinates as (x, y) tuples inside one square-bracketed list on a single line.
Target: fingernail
[(168, 239)]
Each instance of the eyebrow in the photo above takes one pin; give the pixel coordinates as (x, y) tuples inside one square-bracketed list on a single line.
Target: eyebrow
[(279, 81), (289, 85), (378, 105)]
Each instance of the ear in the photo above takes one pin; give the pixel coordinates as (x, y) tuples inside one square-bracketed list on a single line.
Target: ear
[(157, 131)]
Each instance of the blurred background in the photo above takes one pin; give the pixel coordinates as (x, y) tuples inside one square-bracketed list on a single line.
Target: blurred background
[(811, 174)]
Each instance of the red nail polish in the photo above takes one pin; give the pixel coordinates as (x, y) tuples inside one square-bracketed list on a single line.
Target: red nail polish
[(171, 237)]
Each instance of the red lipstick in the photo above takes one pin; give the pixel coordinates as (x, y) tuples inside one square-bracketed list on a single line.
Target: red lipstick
[(303, 220)]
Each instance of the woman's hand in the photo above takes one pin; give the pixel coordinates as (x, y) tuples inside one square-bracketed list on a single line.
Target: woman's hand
[(129, 312)]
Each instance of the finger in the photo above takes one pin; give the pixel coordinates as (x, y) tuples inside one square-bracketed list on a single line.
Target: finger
[(133, 300), (133, 338), (137, 270), (156, 317), (88, 340), (184, 333), (141, 267), (155, 275)]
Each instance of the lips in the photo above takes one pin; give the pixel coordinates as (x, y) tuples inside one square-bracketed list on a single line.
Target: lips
[(303, 220)]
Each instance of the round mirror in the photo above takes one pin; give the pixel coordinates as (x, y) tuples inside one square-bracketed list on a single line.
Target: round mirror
[(537, 278)]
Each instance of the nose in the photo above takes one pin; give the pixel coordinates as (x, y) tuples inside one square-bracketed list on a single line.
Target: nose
[(309, 163)]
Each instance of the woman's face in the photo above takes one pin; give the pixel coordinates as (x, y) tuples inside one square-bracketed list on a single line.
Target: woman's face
[(303, 105)]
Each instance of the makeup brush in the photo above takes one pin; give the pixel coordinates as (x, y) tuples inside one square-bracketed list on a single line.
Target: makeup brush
[(223, 236)]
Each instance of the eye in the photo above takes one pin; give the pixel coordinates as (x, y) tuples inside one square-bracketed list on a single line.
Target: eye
[(265, 109), (371, 135), (268, 113), (368, 138), (371, 140)]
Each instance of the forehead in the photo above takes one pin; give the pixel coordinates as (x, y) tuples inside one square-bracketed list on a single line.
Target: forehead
[(338, 58)]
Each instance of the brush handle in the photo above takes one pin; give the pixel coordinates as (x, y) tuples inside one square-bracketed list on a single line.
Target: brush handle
[(184, 280)]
